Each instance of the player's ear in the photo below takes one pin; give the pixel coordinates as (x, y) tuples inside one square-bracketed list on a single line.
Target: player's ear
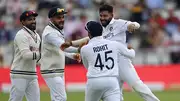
[(112, 15), (23, 22), (52, 19)]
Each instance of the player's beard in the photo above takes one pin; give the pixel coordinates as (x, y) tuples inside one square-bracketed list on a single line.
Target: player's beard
[(31, 26), (104, 23), (59, 25)]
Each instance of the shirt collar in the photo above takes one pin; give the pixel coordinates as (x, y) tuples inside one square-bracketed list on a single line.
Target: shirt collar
[(112, 21), (29, 31), (53, 26), (96, 38)]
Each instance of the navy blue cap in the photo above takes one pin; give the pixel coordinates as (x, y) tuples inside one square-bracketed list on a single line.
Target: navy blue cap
[(94, 28), (27, 14), (56, 11)]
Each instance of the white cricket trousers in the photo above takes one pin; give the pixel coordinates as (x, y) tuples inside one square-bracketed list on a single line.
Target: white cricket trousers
[(57, 88), (102, 88), (27, 87), (128, 74)]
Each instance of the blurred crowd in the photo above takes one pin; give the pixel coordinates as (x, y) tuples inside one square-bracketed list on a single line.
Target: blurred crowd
[(156, 42)]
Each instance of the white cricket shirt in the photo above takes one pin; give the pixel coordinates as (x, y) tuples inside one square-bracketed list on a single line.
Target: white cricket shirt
[(116, 30), (100, 57), (26, 46), (53, 58)]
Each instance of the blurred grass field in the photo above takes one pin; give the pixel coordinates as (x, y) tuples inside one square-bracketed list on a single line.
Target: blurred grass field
[(129, 96)]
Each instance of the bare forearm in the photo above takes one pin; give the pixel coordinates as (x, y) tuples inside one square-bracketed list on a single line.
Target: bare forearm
[(79, 42), (71, 50)]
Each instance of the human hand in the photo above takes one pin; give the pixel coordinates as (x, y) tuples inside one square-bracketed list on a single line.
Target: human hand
[(77, 57), (129, 46), (131, 28), (66, 45)]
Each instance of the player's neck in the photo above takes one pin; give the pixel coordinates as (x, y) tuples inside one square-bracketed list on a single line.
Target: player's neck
[(97, 37)]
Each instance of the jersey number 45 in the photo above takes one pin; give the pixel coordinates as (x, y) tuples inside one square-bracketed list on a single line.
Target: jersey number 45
[(99, 63)]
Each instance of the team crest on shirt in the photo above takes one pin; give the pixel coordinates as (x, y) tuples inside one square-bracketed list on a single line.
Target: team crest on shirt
[(110, 34)]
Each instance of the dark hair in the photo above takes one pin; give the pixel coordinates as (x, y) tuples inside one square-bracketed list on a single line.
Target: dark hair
[(106, 7), (94, 28)]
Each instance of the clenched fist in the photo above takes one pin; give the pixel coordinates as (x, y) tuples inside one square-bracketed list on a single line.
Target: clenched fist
[(77, 57), (129, 46), (131, 28)]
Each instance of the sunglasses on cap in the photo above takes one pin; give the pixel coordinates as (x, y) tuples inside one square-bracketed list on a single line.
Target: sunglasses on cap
[(59, 11)]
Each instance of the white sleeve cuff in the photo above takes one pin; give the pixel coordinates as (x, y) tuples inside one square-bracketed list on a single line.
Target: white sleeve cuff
[(70, 55)]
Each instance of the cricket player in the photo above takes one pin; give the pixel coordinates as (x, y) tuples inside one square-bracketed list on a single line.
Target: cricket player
[(100, 57), (23, 70), (116, 30), (53, 58)]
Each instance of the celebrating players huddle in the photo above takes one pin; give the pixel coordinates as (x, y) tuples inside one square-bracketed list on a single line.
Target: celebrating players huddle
[(104, 53)]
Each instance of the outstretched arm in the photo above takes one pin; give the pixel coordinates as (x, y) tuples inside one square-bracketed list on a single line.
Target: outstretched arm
[(127, 52), (80, 41), (132, 26), (58, 41), (74, 56)]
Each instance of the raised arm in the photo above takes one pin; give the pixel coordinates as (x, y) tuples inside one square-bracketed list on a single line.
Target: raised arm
[(56, 40), (71, 49), (74, 56), (75, 43), (79, 42), (129, 53), (130, 26)]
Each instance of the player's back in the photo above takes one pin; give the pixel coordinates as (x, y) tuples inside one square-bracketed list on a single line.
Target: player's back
[(100, 58)]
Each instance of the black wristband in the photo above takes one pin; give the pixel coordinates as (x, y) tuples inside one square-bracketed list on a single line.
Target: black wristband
[(39, 57), (33, 55)]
